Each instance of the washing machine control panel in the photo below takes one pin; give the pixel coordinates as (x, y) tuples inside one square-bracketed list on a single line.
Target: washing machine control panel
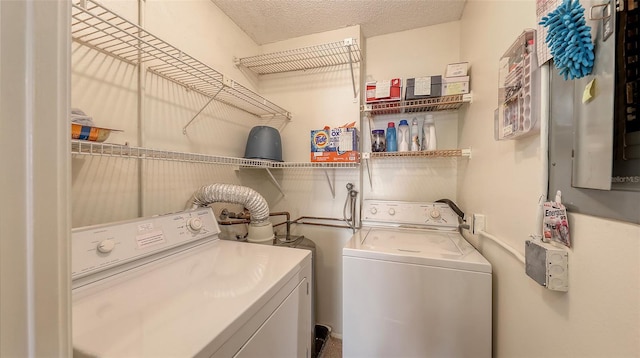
[(398, 213), (102, 247)]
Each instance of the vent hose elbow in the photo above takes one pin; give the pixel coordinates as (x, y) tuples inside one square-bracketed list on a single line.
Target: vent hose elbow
[(260, 229), (235, 194)]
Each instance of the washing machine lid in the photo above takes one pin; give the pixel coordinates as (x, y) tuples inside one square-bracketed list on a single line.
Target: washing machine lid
[(444, 249), (185, 305)]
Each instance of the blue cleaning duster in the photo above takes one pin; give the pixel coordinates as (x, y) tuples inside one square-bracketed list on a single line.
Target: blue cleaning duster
[(569, 39)]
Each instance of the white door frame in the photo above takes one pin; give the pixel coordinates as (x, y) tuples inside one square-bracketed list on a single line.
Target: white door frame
[(35, 296)]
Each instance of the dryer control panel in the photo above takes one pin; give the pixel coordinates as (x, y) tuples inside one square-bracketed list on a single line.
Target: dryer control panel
[(103, 247), (405, 213)]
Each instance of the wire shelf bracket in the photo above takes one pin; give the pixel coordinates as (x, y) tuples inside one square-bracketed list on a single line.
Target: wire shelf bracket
[(274, 181), (184, 129), (332, 183)]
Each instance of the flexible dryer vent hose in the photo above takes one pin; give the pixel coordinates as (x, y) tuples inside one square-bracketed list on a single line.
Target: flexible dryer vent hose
[(236, 194)]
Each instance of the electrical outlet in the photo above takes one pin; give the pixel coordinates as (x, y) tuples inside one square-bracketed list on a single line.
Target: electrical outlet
[(478, 224)]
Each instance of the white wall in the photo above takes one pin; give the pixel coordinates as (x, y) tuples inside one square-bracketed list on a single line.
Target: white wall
[(600, 315), (421, 52)]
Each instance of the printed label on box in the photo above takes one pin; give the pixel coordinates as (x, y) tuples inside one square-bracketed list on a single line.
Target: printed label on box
[(346, 141), (334, 145), (371, 93), (456, 87), (451, 87), (320, 139), (422, 86), (383, 89)]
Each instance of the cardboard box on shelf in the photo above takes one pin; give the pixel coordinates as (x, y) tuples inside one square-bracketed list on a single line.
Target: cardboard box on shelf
[(381, 91), (423, 87), (335, 145), (459, 69), (455, 85)]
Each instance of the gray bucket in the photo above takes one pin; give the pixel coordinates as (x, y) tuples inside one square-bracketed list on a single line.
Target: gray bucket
[(264, 143)]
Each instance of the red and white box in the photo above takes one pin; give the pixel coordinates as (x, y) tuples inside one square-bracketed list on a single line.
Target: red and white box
[(384, 91)]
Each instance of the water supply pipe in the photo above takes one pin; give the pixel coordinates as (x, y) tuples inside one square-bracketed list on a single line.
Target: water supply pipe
[(350, 201)]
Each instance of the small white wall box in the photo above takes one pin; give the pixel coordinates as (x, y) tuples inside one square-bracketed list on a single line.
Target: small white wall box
[(547, 265)]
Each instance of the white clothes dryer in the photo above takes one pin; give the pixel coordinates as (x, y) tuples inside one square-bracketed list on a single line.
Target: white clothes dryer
[(413, 286), (166, 286)]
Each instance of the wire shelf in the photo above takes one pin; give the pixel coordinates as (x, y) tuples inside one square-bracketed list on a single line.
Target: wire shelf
[(95, 26), (81, 147), (444, 103), (305, 165), (443, 153), (318, 56)]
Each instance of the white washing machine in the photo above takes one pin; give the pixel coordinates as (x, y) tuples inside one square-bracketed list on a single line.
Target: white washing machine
[(166, 286), (413, 286)]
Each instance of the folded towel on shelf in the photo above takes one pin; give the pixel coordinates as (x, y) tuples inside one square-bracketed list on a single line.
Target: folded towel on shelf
[(79, 117)]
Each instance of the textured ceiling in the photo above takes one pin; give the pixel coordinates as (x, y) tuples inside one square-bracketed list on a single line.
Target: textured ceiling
[(267, 21)]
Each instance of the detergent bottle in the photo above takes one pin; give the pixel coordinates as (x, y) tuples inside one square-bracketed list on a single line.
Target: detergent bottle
[(392, 145), (429, 133), (415, 135), (403, 136)]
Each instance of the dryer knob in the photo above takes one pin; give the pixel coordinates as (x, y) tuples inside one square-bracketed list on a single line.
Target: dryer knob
[(435, 213), (106, 246), (373, 210), (194, 224), (392, 211)]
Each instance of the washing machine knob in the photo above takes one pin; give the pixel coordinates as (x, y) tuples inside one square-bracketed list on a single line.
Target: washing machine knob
[(106, 246), (435, 214), (373, 210), (194, 224), (392, 211)]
